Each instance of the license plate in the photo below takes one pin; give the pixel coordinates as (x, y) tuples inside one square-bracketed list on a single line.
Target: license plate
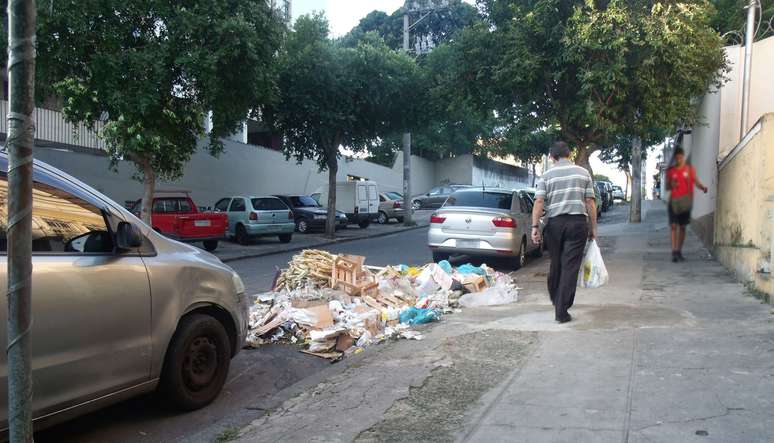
[(201, 223), (467, 243)]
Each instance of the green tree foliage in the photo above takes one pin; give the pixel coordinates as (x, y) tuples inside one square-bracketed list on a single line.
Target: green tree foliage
[(154, 69), (592, 69), (452, 126), (731, 16), (333, 96)]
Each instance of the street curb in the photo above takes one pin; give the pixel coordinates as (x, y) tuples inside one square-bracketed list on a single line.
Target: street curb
[(318, 245)]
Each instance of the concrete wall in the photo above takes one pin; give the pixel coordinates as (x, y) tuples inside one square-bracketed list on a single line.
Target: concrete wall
[(745, 207), (495, 174), (455, 170), (241, 169)]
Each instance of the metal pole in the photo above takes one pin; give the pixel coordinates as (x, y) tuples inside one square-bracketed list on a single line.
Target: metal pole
[(408, 219), (21, 134), (635, 211), (749, 39)]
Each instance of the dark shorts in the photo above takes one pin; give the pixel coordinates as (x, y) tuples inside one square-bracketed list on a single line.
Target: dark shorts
[(678, 219)]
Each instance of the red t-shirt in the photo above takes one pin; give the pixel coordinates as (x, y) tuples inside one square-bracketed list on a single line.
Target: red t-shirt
[(682, 179)]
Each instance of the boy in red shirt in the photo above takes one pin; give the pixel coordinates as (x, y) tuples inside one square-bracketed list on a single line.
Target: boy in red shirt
[(681, 178)]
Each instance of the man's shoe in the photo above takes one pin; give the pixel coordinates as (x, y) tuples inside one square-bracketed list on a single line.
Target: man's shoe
[(564, 319)]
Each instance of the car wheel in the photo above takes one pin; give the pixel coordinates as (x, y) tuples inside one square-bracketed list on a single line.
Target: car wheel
[(285, 238), (302, 226), (241, 235), (440, 256), (400, 219), (416, 205), (383, 219), (196, 364), (364, 224), (521, 259), (210, 245)]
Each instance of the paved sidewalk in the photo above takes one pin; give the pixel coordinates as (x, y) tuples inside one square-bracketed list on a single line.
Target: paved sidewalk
[(230, 250), (665, 352)]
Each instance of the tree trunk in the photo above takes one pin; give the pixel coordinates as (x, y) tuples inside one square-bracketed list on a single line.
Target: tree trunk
[(149, 189), (21, 136), (534, 169), (333, 168), (635, 210), (582, 156), (628, 174)]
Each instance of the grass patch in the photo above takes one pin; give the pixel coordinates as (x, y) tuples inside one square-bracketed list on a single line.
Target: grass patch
[(228, 434), (756, 293)]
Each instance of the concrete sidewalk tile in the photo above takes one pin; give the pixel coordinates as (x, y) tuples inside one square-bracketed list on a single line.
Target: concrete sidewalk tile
[(516, 434)]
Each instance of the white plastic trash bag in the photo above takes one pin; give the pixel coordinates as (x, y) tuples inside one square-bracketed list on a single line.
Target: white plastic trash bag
[(593, 272)]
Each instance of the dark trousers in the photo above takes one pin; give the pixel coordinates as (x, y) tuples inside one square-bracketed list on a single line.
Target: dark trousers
[(566, 237)]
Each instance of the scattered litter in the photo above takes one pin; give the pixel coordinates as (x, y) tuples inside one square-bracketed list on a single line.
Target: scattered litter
[(334, 306)]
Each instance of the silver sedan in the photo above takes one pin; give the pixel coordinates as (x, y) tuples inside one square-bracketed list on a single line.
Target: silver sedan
[(483, 222)]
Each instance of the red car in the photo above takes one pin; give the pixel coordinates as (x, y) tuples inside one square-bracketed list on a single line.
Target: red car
[(175, 215)]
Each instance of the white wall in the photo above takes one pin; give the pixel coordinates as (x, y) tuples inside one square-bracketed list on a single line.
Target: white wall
[(498, 175), (241, 169), (702, 149), (455, 170)]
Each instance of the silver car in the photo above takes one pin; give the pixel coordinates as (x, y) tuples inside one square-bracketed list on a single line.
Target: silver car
[(484, 222), (119, 310), (390, 206)]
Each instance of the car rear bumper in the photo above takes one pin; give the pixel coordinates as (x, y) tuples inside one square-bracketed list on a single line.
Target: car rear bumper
[(502, 245), (195, 239), (270, 229)]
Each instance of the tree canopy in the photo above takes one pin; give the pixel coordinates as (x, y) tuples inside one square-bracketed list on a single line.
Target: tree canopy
[(155, 69), (591, 69), (332, 96)]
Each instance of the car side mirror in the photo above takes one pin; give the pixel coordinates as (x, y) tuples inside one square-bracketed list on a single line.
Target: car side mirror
[(128, 236)]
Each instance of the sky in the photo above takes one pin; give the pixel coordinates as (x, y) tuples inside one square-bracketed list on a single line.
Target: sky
[(343, 15)]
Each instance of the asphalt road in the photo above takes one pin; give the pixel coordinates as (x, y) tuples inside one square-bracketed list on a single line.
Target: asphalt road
[(256, 376)]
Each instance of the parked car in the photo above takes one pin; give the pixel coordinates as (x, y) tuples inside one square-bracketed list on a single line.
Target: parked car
[(618, 193), (390, 206), (483, 222), (605, 195), (359, 200), (435, 197), (120, 310), (175, 215), (251, 217), (308, 214)]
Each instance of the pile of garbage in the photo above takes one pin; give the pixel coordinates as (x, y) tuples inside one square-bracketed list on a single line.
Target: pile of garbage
[(335, 305)]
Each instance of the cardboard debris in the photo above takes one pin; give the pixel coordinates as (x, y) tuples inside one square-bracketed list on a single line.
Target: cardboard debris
[(334, 305)]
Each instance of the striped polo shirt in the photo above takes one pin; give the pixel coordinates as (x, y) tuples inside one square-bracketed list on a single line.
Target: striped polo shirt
[(565, 188)]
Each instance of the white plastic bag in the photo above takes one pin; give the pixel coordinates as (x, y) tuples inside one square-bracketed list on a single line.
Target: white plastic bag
[(593, 272)]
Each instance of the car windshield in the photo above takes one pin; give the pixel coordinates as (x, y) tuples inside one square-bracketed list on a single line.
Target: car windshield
[(483, 199), (393, 196), (304, 201)]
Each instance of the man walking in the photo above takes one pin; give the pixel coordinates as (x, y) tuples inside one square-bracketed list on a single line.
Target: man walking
[(566, 192)]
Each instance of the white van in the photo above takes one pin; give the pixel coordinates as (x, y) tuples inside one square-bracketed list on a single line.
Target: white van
[(358, 199)]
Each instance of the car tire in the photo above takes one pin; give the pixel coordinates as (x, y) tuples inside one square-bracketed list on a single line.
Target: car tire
[(520, 260), (416, 205), (241, 235), (302, 225), (440, 256), (196, 363), (382, 219), (285, 238), (210, 245), (364, 224), (400, 219)]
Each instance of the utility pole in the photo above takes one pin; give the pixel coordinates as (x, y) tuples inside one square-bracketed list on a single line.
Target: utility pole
[(21, 136), (749, 39), (408, 216), (635, 210)]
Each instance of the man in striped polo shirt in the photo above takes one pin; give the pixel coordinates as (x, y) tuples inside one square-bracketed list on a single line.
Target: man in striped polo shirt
[(566, 193)]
